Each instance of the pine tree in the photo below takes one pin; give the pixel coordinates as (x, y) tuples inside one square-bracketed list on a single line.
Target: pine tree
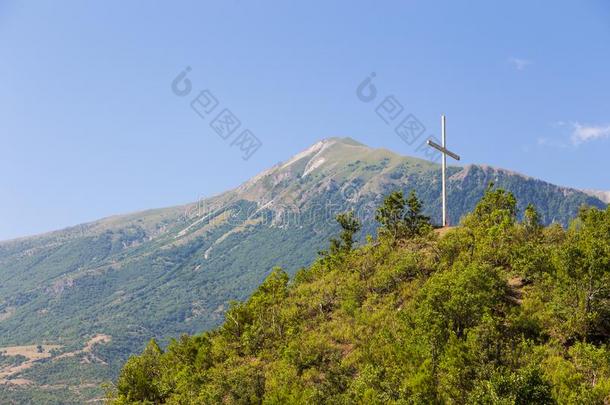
[(350, 226), (400, 218), (416, 223), (391, 216)]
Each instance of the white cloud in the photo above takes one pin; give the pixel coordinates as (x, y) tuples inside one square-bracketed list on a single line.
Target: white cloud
[(585, 133), (518, 63), (574, 134)]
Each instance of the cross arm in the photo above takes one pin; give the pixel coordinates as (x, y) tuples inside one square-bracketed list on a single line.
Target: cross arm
[(443, 150)]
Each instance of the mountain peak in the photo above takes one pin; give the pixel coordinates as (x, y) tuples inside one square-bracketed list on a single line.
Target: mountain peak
[(344, 140), (326, 150), (334, 160)]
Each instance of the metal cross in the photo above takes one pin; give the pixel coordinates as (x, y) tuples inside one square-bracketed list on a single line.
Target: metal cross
[(444, 151)]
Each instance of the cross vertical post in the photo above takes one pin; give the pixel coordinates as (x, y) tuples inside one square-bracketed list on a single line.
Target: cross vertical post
[(444, 170), (444, 152)]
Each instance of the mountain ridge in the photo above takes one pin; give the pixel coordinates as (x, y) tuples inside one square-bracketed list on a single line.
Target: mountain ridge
[(602, 195), (167, 271), (318, 147)]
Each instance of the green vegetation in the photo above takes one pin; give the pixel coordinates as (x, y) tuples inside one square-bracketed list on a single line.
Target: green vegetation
[(495, 311), (164, 272), (400, 219)]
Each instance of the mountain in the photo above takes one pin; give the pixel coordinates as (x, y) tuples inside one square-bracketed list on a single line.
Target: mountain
[(93, 294), (602, 195)]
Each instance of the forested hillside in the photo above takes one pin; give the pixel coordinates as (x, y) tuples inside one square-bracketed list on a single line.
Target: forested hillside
[(495, 311), (164, 272)]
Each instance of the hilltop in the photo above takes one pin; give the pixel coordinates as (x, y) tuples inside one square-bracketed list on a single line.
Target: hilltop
[(495, 311)]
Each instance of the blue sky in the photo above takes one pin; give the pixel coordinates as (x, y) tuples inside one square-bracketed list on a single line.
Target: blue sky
[(90, 127)]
